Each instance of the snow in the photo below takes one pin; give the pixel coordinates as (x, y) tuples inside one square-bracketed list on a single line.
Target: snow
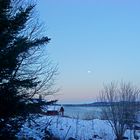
[(66, 127), (79, 129)]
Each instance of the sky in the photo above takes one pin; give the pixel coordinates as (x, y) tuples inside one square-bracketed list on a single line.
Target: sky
[(94, 42)]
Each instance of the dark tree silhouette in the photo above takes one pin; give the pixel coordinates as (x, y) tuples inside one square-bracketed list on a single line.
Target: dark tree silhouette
[(22, 73), (122, 107)]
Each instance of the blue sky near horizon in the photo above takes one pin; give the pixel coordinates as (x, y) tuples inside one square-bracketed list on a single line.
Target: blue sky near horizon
[(94, 42)]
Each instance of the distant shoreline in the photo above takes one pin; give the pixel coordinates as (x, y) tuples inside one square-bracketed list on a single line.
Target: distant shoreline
[(95, 104)]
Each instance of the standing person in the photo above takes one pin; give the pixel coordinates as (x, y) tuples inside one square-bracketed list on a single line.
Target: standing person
[(62, 111)]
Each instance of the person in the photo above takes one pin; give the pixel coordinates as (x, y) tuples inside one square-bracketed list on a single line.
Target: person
[(62, 111)]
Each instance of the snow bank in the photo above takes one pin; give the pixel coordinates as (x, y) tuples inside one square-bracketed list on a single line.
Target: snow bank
[(65, 128)]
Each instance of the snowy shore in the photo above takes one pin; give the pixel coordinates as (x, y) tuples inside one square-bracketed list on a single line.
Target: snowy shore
[(64, 128)]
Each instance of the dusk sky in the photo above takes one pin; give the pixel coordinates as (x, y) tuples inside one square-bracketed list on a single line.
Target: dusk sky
[(94, 42)]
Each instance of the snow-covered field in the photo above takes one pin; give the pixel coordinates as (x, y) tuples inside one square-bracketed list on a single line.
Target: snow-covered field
[(65, 128)]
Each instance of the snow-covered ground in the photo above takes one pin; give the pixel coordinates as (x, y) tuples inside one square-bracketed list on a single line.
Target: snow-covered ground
[(69, 126), (65, 128)]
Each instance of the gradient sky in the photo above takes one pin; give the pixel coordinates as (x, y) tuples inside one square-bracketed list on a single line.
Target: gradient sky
[(94, 42)]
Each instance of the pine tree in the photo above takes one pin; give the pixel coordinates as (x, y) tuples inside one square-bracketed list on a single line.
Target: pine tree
[(16, 47)]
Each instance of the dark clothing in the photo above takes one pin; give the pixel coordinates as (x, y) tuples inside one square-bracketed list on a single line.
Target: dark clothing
[(62, 111)]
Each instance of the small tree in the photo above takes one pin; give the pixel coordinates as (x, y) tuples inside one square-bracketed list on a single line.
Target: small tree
[(122, 107), (23, 73)]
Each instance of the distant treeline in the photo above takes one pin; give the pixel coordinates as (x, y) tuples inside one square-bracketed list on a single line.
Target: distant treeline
[(100, 104)]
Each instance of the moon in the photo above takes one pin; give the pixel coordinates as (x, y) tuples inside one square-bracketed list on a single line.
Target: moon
[(89, 71)]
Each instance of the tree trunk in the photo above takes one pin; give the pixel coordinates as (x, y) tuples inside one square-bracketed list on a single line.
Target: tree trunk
[(119, 137)]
